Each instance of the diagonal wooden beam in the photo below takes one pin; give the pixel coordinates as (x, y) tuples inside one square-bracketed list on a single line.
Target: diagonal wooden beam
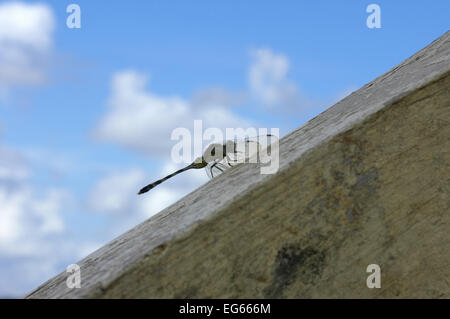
[(365, 182)]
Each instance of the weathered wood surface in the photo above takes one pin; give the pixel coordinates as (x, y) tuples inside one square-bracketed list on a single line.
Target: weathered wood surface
[(365, 182)]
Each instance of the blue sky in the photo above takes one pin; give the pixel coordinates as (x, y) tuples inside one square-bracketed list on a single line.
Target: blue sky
[(86, 114)]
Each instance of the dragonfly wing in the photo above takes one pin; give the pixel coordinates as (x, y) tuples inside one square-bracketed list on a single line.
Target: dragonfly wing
[(263, 140), (243, 151)]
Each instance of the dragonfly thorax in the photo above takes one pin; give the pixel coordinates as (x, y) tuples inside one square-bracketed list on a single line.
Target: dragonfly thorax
[(216, 151)]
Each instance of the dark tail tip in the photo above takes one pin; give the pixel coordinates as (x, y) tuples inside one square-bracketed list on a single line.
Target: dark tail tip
[(145, 189)]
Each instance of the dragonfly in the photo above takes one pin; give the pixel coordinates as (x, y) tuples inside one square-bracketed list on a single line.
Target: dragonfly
[(219, 157)]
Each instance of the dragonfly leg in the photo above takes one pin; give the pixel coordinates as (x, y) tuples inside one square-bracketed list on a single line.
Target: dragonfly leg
[(216, 166)]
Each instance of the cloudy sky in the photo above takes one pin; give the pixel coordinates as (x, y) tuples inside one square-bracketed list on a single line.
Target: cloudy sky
[(86, 115)]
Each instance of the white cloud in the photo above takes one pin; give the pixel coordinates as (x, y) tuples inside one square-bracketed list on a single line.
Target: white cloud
[(34, 241), (171, 190), (25, 43), (27, 217), (270, 85), (143, 121), (160, 198), (12, 165), (268, 80), (116, 193), (27, 24), (21, 273)]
